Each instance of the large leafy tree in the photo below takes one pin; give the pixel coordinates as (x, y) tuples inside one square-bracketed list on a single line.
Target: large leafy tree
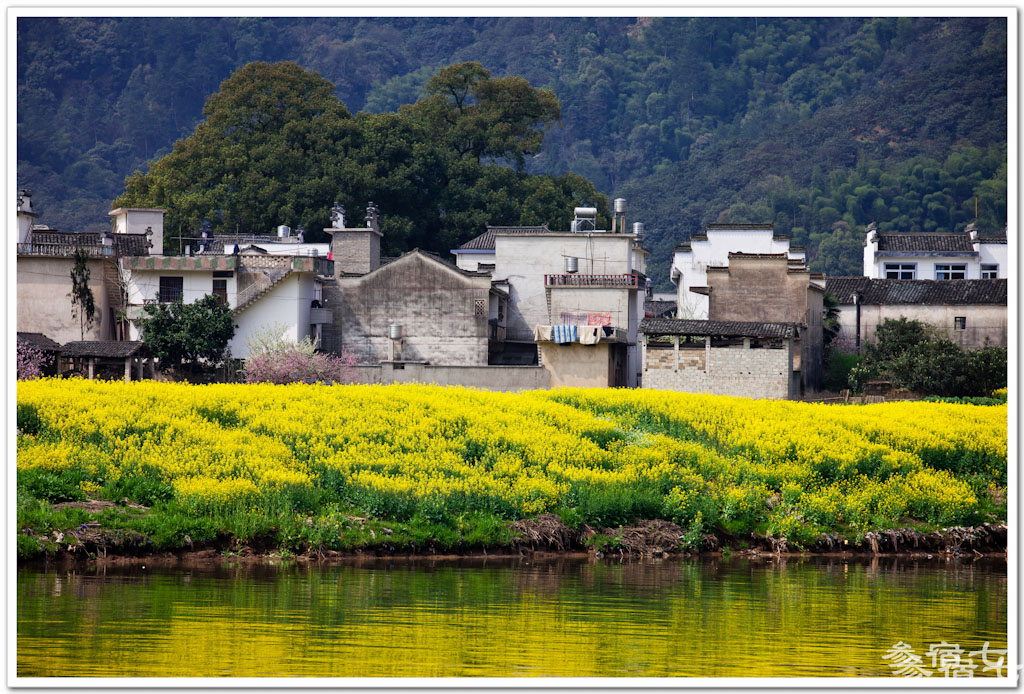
[(277, 147), (187, 334), (260, 158)]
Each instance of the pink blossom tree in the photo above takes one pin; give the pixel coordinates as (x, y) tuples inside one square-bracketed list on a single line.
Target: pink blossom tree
[(31, 361), (274, 359)]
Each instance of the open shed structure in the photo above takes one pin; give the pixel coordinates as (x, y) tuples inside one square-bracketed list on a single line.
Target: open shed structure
[(109, 359), (748, 359)]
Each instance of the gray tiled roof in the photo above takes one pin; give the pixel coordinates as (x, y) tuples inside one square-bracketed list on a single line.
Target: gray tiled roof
[(928, 292), (925, 241), (485, 241), (65, 238), (109, 349), (677, 326), (39, 341), (132, 244)]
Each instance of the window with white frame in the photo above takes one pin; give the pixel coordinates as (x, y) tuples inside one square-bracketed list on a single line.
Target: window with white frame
[(950, 272), (900, 271), (989, 272)]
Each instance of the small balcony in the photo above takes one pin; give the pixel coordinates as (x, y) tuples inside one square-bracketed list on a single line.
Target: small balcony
[(592, 281)]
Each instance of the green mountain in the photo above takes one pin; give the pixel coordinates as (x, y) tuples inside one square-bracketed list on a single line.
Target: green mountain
[(819, 125)]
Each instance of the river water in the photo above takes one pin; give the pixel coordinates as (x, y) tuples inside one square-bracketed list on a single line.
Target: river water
[(488, 617)]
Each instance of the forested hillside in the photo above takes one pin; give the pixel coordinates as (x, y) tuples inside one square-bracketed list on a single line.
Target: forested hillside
[(817, 124)]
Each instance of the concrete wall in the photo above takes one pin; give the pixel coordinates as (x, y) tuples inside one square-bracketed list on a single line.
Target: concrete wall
[(434, 304), (523, 260), (145, 285), (501, 378), (287, 304), (692, 265), (44, 304), (574, 365), (470, 260), (925, 265), (983, 321), (751, 373), (995, 254)]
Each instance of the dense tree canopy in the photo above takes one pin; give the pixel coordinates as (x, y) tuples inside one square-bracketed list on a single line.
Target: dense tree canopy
[(277, 147)]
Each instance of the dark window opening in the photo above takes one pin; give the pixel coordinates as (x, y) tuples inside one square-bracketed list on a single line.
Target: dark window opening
[(960, 323), (220, 290), (171, 289)]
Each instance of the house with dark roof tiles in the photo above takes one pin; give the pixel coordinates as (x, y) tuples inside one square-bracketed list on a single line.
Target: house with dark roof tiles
[(971, 313), (964, 255)]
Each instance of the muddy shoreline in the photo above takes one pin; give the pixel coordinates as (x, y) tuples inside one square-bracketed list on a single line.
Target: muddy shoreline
[(542, 537)]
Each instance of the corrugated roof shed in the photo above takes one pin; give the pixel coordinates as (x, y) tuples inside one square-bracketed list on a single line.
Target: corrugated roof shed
[(711, 328), (927, 292)]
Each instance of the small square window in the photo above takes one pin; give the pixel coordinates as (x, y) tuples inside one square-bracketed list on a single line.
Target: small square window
[(900, 271), (171, 289), (989, 272), (950, 272), (960, 323)]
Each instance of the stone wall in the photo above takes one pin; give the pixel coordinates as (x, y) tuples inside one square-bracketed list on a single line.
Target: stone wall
[(752, 373), (500, 378)]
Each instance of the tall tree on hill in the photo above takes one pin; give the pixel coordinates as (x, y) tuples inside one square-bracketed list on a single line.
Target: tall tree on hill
[(277, 147), (260, 158)]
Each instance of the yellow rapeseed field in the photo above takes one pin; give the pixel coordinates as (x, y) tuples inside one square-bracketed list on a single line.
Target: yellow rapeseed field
[(600, 456)]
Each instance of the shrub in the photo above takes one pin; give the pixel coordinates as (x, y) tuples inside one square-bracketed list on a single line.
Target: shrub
[(273, 359)]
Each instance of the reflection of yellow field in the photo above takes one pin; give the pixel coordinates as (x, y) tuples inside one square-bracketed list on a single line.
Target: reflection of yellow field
[(794, 465), (676, 618)]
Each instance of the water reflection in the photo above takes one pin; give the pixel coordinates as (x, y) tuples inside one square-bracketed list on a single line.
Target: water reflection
[(489, 617)]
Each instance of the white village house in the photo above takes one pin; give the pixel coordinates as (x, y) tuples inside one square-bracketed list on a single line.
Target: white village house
[(964, 255)]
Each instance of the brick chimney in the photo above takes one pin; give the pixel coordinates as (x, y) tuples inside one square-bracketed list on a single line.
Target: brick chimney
[(356, 251)]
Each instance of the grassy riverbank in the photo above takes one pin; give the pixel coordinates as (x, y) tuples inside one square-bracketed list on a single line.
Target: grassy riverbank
[(307, 469)]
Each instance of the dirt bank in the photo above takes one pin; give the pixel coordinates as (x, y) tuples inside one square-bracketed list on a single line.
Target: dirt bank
[(543, 535)]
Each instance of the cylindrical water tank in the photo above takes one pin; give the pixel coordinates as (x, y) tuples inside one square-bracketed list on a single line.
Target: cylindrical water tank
[(395, 331), (619, 205), (572, 264), (283, 231), (585, 211), (638, 228)]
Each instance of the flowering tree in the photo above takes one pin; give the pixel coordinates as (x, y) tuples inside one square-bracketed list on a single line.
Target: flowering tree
[(31, 361), (275, 359)]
